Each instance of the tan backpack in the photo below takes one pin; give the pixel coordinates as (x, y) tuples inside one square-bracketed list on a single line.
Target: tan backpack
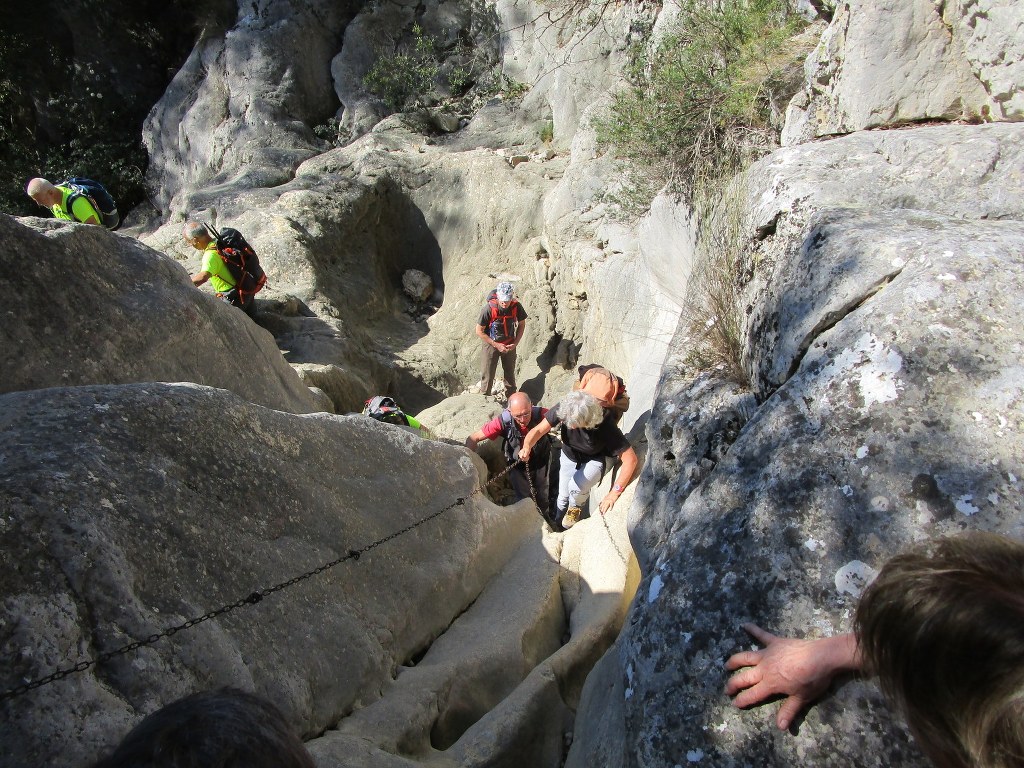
[(609, 389)]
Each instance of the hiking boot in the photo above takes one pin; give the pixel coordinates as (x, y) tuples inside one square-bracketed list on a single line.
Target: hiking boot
[(572, 516)]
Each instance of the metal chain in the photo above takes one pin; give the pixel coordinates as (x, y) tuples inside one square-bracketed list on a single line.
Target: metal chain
[(251, 599), (604, 519)]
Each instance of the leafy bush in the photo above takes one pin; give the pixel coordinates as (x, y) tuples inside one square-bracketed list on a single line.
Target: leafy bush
[(457, 73), (710, 96), (410, 71)]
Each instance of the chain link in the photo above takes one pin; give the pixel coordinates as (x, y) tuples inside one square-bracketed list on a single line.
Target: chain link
[(622, 557), (252, 599)]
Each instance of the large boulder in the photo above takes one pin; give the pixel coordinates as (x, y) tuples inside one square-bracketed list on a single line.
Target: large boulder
[(885, 368), (87, 306), (891, 62), (241, 110), (128, 510)]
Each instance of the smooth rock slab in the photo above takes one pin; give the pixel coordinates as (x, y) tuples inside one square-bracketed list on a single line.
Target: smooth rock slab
[(129, 509)]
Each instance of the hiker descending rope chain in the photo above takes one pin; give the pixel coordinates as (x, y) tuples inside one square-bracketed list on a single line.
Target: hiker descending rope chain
[(252, 599)]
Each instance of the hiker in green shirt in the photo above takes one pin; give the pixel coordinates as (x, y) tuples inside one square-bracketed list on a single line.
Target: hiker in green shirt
[(56, 199), (213, 268)]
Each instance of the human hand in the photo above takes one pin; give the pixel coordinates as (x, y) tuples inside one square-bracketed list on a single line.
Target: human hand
[(471, 443), (800, 670), (608, 501), (524, 454)]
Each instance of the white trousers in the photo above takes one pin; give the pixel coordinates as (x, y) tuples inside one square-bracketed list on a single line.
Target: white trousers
[(575, 483)]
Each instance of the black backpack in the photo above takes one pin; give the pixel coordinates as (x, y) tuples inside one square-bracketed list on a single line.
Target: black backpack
[(383, 408), (96, 194), (242, 262)]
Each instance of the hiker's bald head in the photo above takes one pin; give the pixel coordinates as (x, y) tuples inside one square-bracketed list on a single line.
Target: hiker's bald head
[(43, 192), (521, 408), (196, 234), (519, 400)]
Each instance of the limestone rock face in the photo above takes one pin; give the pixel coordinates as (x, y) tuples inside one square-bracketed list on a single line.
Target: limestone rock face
[(242, 108), (887, 62), (129, 509), (886, 367), (93, 307)]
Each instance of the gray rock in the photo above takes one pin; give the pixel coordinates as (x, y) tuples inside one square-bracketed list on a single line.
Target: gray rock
[(417, 285), (238, 113), (125, 313), (900, 423), (129, 509), (323, 400), (890, 62)]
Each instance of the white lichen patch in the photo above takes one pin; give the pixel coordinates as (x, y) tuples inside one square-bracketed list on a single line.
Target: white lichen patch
[(655, 589), (847, 491), (946, 278), (862, 452), (694, 756), (964, 505), (812, 544), (872, 368), (854, 577)]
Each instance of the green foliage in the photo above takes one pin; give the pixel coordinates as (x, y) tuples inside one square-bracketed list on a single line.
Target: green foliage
[(421, 68), (547, 131), (707, 100), (410, 71)]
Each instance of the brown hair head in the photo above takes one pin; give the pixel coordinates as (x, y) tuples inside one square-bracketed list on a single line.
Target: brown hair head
[(943, 628)]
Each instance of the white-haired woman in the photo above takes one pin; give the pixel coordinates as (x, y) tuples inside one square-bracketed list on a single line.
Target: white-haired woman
[(589, 434)]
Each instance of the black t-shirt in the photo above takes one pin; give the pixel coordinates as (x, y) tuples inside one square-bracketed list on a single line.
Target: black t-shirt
[(606, 439)]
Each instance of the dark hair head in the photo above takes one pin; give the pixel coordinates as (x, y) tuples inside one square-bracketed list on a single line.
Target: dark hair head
[(226, 728), (943, 628)]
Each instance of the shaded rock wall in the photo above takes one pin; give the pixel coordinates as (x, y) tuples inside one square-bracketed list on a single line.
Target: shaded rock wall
[(879, 279)]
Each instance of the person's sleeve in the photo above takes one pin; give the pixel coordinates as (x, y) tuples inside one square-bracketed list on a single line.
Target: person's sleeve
[(543, 412), (485, 318), (492, 428), (413, 422), (520, 312), (208, 256), (552, 416), (617, 444), (82, 210)]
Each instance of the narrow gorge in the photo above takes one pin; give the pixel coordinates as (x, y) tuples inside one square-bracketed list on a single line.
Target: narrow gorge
[(163, 456)]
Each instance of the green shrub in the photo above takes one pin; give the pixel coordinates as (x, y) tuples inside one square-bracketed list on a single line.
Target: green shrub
[(707, 100), (456, 73), (410, 71), (547, 131)]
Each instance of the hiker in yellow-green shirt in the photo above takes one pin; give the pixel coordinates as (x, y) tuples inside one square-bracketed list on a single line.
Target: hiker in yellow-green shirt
[(213, 268), (70, 202)]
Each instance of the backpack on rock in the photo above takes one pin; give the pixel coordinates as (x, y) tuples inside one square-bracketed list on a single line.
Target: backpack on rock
[(384, 408), (609, 389)]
